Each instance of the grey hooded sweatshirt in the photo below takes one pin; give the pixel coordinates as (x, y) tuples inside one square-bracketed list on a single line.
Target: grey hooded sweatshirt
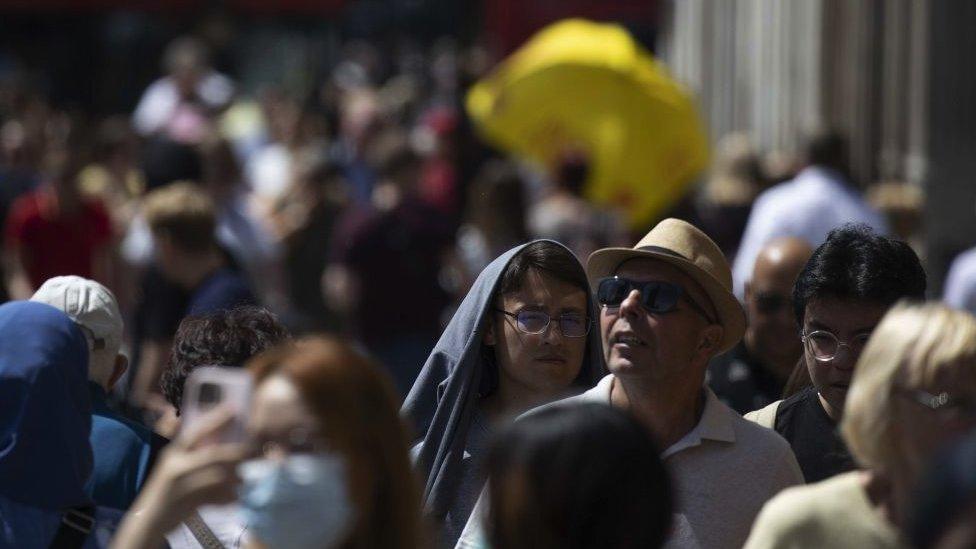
[(444, 403)]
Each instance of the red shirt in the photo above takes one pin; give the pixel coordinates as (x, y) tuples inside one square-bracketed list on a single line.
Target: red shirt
[(51, 243)]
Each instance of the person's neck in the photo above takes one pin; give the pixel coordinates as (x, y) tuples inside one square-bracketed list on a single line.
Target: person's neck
[(198, 269), (890, 497), (670, 412), (511, 400)]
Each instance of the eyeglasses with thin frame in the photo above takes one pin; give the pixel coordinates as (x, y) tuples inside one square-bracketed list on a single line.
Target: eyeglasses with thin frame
[(529, 321), (825, 346), (944, 404), (299, 440), (656, 296)]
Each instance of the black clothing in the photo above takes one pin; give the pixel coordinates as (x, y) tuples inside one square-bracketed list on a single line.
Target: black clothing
[(820, 451), (741, 381)]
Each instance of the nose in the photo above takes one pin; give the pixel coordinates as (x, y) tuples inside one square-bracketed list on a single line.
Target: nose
[(631, 304), (845, 359)]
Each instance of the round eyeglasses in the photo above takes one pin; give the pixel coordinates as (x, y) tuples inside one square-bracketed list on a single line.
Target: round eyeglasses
[(536, 322), (824, 346)]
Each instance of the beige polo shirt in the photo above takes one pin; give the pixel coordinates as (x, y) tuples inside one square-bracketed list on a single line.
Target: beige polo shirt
[(723, 471), (831, 513)]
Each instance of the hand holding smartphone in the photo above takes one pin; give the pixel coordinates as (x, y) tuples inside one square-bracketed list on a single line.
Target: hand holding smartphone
[(211, 387)]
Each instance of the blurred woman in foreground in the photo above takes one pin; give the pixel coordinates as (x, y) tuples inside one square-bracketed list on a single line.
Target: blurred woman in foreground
[(328, 465), (580, 477), (913, 392)]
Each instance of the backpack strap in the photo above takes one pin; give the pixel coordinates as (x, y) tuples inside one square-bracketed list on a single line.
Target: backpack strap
[(203, 533), (765, 417), (76, 525)]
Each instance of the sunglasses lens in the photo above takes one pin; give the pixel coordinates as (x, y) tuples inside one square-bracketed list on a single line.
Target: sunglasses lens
[(612, 291), (660, 297)]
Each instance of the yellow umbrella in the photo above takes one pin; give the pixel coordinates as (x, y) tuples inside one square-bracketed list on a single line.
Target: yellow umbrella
[(584, 85)]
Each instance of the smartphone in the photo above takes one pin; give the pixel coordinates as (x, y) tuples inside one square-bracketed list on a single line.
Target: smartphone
[(209, 387)]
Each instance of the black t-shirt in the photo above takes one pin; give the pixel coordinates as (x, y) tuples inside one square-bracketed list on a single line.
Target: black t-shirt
[(741, 381), (820, 451)]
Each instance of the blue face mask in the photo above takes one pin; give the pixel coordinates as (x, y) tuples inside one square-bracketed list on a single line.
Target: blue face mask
[(300, 502)]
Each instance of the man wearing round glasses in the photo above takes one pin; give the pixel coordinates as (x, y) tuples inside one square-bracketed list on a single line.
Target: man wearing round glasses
[(666, 308), (845, 288)]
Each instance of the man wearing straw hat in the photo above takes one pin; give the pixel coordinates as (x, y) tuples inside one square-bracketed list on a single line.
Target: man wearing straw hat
[(666, 308)]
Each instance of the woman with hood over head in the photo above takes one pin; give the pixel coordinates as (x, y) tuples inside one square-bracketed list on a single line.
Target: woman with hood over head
[(522, 337), (45, 419)]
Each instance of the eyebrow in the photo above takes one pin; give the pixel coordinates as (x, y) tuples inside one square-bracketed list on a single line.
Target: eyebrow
[(821, 326)]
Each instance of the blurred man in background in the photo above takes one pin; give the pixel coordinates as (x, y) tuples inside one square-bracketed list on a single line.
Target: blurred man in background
[(754, 373), (53, 230), (820, 198), (124, 450)]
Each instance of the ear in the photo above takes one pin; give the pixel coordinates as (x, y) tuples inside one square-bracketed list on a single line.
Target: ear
[(711, 338), (121, 365)]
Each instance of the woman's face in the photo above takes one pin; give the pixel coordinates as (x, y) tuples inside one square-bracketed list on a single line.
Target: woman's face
[(280, 423), (544, 364)]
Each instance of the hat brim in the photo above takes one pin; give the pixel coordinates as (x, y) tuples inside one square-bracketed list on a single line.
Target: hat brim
[(603, 263)]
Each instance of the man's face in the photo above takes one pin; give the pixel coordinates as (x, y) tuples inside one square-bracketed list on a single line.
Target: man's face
[(652, 346), (850, 322), (772, 331), (543, 364)]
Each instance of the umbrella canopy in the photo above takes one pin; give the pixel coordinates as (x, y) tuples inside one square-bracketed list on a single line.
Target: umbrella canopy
[(583, 85)]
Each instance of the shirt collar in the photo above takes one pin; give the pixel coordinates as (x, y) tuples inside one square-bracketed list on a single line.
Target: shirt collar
[(715, 424)]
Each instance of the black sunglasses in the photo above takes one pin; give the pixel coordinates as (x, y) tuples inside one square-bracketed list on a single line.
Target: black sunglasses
[(655, 296), (772, 303)]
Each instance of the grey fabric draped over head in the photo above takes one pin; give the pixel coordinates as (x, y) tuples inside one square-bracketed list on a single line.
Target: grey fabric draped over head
[(444, 398)]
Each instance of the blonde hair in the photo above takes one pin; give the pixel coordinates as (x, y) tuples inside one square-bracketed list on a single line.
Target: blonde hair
[(912, 347), (184, 213)]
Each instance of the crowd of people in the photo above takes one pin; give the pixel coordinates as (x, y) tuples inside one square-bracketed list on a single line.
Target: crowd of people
[(449, 348)]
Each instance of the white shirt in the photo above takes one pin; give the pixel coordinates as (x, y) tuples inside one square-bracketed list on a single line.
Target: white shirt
[(722, 471), (960, 286), (815, 202), (162, 98)]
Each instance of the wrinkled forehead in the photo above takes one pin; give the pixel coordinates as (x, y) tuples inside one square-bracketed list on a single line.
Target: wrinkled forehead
[(278, 408), (643, 269)]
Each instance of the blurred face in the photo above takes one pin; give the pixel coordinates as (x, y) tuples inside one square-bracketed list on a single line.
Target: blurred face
[(929, 417), (280, 424), (850, 323), (771, 334), (652, 346), (546, 363)]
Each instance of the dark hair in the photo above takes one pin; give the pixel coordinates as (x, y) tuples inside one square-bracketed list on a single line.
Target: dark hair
[(496, 205), (574, 477), (226, 338), (548, 258), (572, 172), (858, 264), (827, 147)]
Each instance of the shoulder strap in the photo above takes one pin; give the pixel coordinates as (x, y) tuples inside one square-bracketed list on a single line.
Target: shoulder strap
[(76, 525), (203, 533), (765, 417)]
